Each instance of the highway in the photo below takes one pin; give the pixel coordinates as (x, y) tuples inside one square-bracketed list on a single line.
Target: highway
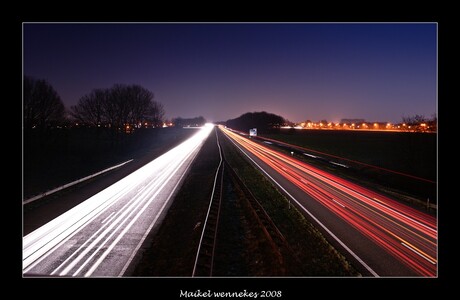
[(101, 236), (382, 237)]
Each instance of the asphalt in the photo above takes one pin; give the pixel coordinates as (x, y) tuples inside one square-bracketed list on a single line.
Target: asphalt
[(379, 260), (39, 212)]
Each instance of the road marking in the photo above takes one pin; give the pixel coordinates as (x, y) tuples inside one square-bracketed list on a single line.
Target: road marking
[(103, 221), (43, 241), (334, 183), (416, 251), (147, 232), (401, 214), (338, 203), (310, 155), (311, 215), (158, 190), (337, 164)]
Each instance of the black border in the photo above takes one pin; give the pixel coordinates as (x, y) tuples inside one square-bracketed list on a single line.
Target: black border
[(292, 288)]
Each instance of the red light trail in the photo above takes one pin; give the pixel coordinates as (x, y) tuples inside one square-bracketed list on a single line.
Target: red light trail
[(342, 158), (406, 233)]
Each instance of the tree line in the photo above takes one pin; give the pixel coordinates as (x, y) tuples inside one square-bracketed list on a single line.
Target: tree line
[(189, 122), (263, 121), (42, 105), (115, 108), (420, 123), (119, 106)]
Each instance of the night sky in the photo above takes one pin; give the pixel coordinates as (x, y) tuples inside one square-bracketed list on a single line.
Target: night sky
[(378, 72)]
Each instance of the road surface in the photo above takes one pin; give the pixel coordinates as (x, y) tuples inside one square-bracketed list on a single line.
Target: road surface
[(381, 236), (101, 236)]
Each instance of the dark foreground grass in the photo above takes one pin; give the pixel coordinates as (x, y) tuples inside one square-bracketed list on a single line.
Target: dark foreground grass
[(317, 256)]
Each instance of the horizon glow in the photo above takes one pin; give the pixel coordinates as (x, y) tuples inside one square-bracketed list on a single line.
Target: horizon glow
[(374, 71)]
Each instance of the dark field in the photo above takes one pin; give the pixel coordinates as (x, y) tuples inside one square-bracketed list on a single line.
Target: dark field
[(62, 156), (409, 153)]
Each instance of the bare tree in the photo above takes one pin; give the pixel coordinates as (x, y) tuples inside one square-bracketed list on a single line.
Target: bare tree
[(42, 105), (416, 123), (155, 114), (90, 109), (433, 123), (120, 106), (139, 102)]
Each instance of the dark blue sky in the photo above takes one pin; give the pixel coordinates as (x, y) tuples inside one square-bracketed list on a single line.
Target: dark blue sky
[(379, 72)]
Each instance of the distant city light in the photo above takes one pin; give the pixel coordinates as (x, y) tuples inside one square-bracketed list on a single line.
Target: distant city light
[(376, 126)]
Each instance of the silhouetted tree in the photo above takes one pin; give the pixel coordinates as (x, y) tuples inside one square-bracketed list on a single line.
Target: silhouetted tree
[(419, 123), (43, 107), (91, 108), (433, 123), (288, 123), (183, 122), (263, 121), (119, 106), (134, 102), (155, 114)]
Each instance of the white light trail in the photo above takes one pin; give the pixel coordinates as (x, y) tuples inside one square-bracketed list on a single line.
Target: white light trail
[(337, 164), (136, 200), (311, 155)]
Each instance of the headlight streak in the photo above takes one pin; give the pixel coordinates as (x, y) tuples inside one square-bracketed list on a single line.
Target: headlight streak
[(133, 220), (337, 239), (107, 217), (341, 158), (406, 233), (124, 214)]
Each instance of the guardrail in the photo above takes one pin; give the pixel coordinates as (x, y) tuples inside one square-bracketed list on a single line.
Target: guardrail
[(72, 183)]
